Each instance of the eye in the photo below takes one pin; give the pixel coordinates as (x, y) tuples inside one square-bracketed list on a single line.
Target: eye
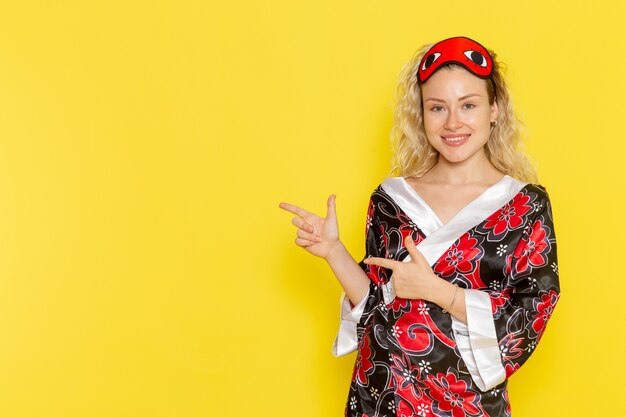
[(436, 108), (469, 105), (429, 61), (476, 57)]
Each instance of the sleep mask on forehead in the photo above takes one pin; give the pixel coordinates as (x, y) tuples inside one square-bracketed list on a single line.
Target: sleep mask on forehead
[(458, 50)]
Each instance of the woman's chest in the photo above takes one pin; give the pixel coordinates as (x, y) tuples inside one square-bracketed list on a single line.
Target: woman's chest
[(445, 202), (473, 260)]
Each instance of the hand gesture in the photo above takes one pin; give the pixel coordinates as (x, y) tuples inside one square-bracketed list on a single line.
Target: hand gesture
[(411, 280), (316, 235)]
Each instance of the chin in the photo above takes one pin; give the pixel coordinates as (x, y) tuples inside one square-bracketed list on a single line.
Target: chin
[(454, 157), (459, 155)]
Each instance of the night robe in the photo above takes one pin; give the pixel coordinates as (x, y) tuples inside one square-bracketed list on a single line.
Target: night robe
[(415, 360)]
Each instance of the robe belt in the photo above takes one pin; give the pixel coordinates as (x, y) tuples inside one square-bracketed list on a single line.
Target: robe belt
[(388, 292)]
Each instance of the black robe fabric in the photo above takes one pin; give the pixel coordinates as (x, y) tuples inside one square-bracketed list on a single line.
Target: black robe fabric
[(408, 361)]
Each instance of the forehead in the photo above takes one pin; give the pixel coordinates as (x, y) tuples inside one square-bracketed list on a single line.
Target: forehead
[(454, 81)]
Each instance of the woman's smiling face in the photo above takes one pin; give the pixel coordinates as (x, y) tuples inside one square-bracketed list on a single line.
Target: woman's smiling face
[(457, 113)]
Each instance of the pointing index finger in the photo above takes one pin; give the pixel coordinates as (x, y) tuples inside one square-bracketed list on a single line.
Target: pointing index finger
[(293, 209), (385, 263)]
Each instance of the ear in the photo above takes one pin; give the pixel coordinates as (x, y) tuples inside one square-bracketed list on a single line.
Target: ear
[(494, 110)]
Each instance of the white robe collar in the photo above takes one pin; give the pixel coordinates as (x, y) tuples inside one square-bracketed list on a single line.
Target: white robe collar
[(439, 236)]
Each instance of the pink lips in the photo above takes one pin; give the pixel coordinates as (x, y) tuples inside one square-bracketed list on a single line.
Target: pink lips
[(454, 141)]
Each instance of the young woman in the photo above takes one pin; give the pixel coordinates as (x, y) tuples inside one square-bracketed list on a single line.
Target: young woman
[(460, 273)]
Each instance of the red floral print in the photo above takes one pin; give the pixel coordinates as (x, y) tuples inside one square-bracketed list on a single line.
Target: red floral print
[(510, 216), (452, 395), (510, 347), (370, 217), (408, 228), (474, 279), (532, 249), (510, 368), (408, 363), (399, 304), (461, 257), (364, 366), (544, 309), (499, 299), (415, 331), (407, 376)]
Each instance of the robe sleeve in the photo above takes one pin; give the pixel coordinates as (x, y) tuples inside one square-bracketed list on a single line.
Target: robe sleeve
[(504, 325), (353, 318)]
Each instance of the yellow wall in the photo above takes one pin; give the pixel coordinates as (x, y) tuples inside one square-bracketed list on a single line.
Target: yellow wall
[(145, 268)]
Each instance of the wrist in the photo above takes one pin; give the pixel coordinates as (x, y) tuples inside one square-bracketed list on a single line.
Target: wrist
[(442, 293), (335, 252), (456, 291)]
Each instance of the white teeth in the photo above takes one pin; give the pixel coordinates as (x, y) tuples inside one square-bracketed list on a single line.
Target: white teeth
[(458, 139)]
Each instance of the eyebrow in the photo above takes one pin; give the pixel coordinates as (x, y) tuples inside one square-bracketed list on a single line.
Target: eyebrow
[(443, 101)]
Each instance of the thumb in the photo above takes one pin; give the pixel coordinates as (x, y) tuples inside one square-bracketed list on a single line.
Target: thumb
[(416, 255), (331, 212)]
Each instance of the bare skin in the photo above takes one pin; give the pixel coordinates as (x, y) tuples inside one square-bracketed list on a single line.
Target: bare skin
[(457, 117), (412, 280), (447, 199), (456, 105), (320, 237)]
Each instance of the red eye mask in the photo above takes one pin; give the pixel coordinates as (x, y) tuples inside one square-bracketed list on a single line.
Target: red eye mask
[(459, 50)]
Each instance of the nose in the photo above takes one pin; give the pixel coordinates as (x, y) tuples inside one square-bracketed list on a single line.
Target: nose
[(453, 122)]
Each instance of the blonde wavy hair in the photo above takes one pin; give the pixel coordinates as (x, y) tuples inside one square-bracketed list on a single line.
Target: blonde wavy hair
[(413, 155)]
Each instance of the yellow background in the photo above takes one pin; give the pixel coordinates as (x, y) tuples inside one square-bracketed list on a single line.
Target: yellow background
[(145, 267)]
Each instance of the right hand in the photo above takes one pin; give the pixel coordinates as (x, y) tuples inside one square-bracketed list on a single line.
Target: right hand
[(317, 235)]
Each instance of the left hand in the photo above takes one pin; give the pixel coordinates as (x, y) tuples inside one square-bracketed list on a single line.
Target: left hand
[(411, 280)]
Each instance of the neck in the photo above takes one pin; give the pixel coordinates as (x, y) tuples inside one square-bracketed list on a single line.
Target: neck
[(471, 171)]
